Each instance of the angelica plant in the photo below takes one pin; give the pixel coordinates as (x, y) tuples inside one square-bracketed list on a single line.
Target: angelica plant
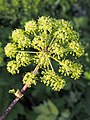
[(44, 41)]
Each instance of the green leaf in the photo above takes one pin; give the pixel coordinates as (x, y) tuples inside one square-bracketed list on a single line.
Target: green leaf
[(42, 108), (53, 108), (42, 117), (73, 97), (61, 118), (66, 113), (45, 117), (87, 75)]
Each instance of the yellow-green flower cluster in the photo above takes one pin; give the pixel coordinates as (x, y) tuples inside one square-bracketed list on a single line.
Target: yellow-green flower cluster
[(40, 42), (17, 35), (13, 67), (15, 48), (21, 39), (45, 24), (42, 58), (23, 58), (29, 79), (58, 51), (76, 48), (31, 27), (69, 68), (50, 78), (65, 33), (46, 40), (10, 50)]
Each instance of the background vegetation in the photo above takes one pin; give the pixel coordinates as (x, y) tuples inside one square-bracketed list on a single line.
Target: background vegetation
[(40, 102)]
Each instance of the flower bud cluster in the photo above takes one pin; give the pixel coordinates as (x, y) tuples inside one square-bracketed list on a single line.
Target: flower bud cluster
[(69, 68), (50, 78), (23, 58), (13, 67), (10, 50), (76, 49), (21, 39), (42, 58), (31, 27), (45, 24), (29, 79), (59, 51)]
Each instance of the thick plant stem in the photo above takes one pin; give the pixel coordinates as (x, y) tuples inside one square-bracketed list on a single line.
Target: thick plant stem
[(9, 109), (6, 112)]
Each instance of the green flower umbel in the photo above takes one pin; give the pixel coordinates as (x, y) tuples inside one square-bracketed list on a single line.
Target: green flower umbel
[(44, 41), (51, 78)]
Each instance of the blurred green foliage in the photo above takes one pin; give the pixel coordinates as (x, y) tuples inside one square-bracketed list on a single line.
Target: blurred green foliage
[(72, 103)]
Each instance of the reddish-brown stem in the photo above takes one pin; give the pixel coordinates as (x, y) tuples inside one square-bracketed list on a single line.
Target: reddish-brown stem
[(5, 113), (9, 108)]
